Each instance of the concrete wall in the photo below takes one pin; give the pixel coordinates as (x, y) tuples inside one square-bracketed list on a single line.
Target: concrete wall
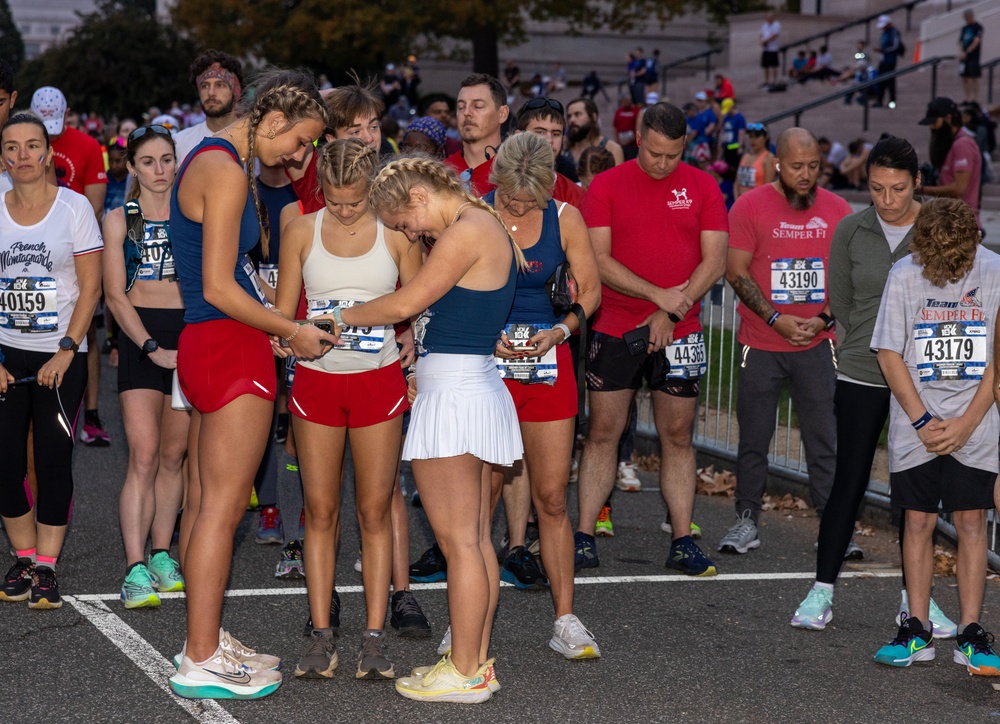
[(939, 34)]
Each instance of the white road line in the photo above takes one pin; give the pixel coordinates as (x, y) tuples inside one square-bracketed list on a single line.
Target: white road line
[(146, 657), (580, 581)]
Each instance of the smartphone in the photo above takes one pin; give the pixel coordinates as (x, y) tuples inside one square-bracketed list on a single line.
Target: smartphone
[(324, 324), (521, 347), (637, 340)]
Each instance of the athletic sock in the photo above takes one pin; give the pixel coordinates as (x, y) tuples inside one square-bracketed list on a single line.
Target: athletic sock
[(91, 418), (823, 586), (289, 493), (47, 561), (28, 553), (154, 551), (128, 569)]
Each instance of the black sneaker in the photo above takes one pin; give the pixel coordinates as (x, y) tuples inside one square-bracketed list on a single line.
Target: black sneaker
[(281, 429), (44, 589), (586, 552), (407, 617), (521, 570), (17, 583), (431, 567), (334, 617), (531, 541)]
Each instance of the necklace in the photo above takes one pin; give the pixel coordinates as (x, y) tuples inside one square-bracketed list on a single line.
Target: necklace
[(458, 212), (226, 129), (347, 228)]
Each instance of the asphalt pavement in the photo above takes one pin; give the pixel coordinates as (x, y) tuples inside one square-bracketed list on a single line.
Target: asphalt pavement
[(675, 649)]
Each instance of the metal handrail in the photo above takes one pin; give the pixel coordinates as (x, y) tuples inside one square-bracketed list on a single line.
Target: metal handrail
[(866, 21), (990, 67), (797, 111)]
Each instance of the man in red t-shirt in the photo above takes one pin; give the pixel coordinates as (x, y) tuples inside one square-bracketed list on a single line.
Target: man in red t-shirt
[(960, 173), (481, 111), (779, 255), (659, 229), (545, 117)]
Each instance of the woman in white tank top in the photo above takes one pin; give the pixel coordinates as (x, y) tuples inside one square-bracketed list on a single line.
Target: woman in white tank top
[(344, 256)]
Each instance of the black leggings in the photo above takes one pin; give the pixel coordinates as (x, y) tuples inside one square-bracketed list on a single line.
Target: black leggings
[(861, 415), (28, 404)]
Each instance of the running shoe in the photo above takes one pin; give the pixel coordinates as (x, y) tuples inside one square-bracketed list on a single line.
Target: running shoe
[(685, 556), (854, 552), (742, 536), (334, 617), (627, 480), (488, 670), (281, 429), (574, 470), (586, 551), (943, 627), (373, 664), (444, 648), (415, 499), (302, 524), (571, 639), (604, 528), (93, 435), (223, 676), (975, 651), (444, 683), (291, 564), (911, 644), (357, 563), (521, 570), (319, 659), (667, 528), (165, 573), (269, 528), (431, 566), (44, 589), (815, 611), (17, 583), (236, 648), (407, 617), (137, 591), (531, 540)]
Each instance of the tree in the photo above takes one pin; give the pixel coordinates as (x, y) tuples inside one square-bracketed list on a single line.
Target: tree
[(11, 43), (120, 60)]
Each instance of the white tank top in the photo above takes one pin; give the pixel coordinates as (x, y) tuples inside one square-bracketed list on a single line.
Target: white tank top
[(331, 280)]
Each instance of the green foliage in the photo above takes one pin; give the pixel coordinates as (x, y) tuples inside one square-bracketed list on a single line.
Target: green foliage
[(11, 43), (121, 59)]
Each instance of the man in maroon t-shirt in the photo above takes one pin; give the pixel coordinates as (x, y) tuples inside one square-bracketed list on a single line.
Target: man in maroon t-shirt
[(481, 111), (659, 230), (779, 255)]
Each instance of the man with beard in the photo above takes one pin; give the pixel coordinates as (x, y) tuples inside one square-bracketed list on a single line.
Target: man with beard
[(779, 252), (954, 154), (583, 130), (481, 110), (218, 77)]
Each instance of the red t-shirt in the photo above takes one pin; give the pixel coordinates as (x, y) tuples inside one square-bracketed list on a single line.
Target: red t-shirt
[(624, 124), (568, 191), (964, 155), (307, 188), (479, 184), (656, 230), (791, 258), (78, 160)]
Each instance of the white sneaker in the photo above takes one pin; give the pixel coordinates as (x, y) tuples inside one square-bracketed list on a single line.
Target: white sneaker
[(444, 648), (627, 479), (571, 639), (223, 676), (574, 470), (741, 537), (357, 563), (244, 654)]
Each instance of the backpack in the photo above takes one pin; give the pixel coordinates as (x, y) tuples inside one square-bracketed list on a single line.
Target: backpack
[(134, 232)]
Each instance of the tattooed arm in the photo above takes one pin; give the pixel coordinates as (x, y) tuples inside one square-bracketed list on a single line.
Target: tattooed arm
[(738, 275)]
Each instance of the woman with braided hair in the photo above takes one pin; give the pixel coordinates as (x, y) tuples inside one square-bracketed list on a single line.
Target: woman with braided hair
[(225, 362), (463, 419), (346, 257)]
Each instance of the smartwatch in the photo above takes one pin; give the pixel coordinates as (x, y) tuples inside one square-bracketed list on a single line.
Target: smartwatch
[(66, 344), (829, 321), (150, 346)]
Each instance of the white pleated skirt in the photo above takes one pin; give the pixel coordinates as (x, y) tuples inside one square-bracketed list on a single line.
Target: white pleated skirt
[(462, 406)]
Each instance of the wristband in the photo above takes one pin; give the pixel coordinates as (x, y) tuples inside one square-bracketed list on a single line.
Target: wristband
[(338, 315), (925, 418), (828, 320), (564, 328), (773, 318)]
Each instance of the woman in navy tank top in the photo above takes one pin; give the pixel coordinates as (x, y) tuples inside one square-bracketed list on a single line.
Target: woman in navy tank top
[(225, 365)]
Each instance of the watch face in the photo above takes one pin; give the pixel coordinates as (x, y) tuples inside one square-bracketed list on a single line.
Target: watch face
[(66, 343)]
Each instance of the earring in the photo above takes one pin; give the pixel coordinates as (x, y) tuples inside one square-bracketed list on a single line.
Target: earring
[(270, 134)]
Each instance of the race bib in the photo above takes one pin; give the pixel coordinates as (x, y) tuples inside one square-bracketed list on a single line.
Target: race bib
[(29, 305), (798, 281), (746, 176), (687, 357), (252, 274), (950, 350), (157, 261), (269, 273), (355, 339), (528, 370)]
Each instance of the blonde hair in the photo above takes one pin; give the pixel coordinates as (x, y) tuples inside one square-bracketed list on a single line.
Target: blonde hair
[(390, 189), (345, 162), (525, 163), (292, 93), (945, 240)]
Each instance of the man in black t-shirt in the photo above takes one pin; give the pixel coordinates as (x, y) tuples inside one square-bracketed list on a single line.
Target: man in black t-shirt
[(970, 42)]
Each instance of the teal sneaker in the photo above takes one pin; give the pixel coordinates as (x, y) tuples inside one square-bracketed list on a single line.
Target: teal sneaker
[(975, 651), (943, 627), (912, 643), (137, 591), (686, 557), (165, 573), (815, 611)]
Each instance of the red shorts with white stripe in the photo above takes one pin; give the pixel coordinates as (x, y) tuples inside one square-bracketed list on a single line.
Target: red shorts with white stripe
[(356, 399)]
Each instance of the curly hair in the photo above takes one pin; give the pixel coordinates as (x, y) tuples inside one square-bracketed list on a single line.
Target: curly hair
[(390, 188), (206, 59), (524, 163), (346, 161), (945, 240)]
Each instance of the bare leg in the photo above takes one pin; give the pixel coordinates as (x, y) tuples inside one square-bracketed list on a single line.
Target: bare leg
[(142, 411), (517, 503), (971, 568), (169, 486), (608, 417), (918, 561), (674, 418)]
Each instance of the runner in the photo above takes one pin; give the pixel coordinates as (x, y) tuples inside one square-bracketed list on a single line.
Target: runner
[(757, 165), (482, 111), (218, 77)]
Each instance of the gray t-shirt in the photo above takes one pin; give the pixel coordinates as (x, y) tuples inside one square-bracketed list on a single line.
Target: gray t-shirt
[(945, 337)]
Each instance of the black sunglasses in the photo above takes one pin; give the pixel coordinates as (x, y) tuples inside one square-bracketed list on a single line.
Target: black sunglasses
[(552, 103), (141, 131)]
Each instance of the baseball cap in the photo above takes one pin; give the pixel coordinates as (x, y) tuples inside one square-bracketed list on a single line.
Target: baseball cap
[(700, 96), (49, 104), (720, 167), (652, 98), (882, 21), (168, 122), (727, 104), (938, 108)]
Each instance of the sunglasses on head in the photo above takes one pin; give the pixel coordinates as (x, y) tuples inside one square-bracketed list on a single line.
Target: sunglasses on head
[(141, 131), (756, 128), (552, 103)]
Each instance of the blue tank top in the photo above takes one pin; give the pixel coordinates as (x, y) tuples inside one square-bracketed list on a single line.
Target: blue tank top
[(466, 321), (531, 300), (186, 239)]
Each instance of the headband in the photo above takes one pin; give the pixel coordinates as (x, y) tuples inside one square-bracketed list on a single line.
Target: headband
[(226, 76)]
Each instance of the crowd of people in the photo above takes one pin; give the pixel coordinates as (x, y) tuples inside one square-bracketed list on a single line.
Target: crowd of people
[(291, 270)]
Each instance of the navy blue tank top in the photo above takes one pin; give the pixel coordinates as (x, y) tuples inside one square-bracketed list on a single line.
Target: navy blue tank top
[(531, 300), (186, 239)]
